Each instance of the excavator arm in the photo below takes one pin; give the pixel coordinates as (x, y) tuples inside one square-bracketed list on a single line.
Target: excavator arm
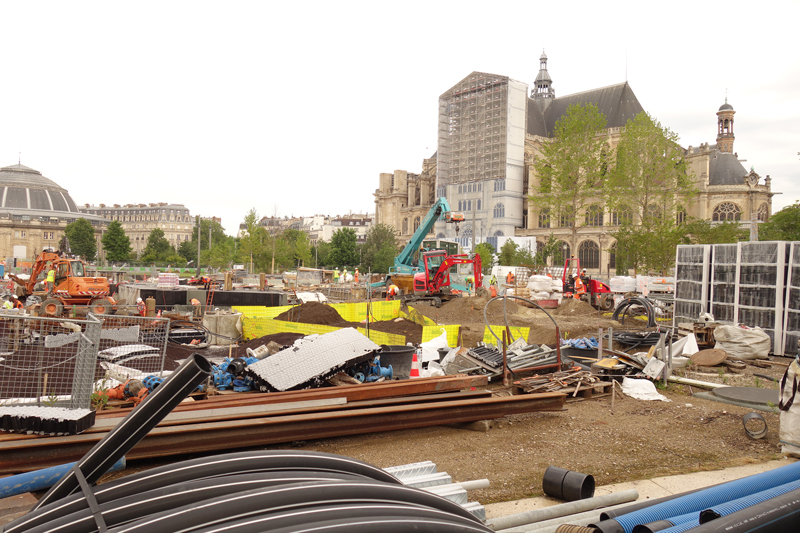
[(452, 260), (439, 210)]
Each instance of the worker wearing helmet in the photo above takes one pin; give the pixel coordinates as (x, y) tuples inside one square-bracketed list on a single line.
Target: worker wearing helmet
[(141, 307), (16, 303), (7, 304), (580, 288), (355, 276), (393, 291), (51, 280)]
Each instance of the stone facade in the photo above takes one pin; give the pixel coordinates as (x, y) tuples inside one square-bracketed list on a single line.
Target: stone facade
[(403, 199), (139, 220)]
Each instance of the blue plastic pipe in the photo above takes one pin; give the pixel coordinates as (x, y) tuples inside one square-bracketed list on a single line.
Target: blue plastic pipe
[(711, 497), (41, 479)]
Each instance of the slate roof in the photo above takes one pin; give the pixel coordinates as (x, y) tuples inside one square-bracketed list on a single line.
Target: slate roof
[(725, 169), (617, 102)]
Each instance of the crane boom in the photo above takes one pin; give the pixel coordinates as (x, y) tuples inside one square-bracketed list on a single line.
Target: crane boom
[(438, 211)]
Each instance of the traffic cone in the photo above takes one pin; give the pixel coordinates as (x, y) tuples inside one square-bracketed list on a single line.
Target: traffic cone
[(414, 367)]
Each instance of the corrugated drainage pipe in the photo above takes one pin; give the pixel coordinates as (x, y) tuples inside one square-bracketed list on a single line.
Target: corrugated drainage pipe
[(119, 441), (708, 498)]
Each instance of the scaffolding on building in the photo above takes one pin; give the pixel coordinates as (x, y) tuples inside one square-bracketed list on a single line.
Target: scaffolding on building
[(473, 117)]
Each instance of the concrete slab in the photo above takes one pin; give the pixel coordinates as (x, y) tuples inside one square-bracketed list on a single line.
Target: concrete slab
[(648, 488), (749, 395)]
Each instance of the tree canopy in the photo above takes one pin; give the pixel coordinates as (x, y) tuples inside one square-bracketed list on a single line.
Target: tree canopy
[(116, 244), (486, 251), (571, 169), (158, 247), (81, 239), (782, 226), (344, 251), (380, 248)]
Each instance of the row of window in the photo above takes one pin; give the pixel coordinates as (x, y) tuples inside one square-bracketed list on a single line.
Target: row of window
[(23, 234), (724, 212), (470, 187)]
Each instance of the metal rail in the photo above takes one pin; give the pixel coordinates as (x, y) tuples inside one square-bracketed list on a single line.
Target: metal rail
[(23, 456)]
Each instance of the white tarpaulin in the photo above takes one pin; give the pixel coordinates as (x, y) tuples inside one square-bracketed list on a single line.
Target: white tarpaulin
[(642, 389)]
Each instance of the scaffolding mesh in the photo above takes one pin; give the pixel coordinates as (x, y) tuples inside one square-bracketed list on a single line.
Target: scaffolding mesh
[(473, 125)]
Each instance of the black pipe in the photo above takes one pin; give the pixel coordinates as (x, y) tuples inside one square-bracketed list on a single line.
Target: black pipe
[(120, 440), (204, 468), (384, 517), (172, 496), (776, 515), (253, 503), (608, 524)]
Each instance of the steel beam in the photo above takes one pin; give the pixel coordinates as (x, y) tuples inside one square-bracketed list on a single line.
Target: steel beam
[(23, 456)]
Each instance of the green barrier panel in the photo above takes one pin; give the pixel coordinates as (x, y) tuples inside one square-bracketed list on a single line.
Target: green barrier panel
[(516, 332), (431, 332)]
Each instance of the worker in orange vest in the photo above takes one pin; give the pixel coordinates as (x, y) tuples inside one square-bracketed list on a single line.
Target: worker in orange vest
[(580, 288), (393, 291), (141, 307), (355, 276)]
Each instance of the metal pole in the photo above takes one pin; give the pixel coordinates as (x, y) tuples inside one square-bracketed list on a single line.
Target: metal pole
[(505, 361), (198, 245)]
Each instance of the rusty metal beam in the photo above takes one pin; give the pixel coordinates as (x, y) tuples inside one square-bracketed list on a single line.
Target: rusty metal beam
[(352, 393), (23, 456)]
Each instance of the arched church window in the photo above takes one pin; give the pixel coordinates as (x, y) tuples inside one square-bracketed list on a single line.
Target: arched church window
[(726, 212)]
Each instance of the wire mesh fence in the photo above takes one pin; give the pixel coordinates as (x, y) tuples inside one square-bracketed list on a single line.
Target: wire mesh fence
[(57, 362)]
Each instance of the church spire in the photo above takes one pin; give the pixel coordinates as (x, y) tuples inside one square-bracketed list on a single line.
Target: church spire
[(725, 136), (543, 86)]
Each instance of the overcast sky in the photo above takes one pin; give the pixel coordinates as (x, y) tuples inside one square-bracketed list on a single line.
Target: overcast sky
[(295, 108)]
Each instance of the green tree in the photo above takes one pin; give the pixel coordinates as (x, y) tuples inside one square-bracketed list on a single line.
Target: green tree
[(321, 252), (81, 239), (782, 226), (647, 189), (707, 232), (158, 247), (188, 250), (508, 253), (116, 244), (343, 248), (252, 240), (486, 251), (217, 233), (571, 169), (302, 249), (549, 249), (380, 248)]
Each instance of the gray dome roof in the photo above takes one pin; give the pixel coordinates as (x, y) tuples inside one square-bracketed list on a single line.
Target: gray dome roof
[(726, 106), (726, 169), (23, 188)]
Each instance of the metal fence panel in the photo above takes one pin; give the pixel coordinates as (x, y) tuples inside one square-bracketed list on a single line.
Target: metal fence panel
[(56, 361)]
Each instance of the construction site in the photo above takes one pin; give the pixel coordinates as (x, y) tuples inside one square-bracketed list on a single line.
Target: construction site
[(466, 392)]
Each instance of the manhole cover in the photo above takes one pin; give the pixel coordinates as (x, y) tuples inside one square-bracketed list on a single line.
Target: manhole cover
[(711, 357), (748, 394)]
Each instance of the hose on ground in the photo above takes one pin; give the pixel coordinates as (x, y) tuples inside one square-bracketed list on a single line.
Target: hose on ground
[(629, 303)]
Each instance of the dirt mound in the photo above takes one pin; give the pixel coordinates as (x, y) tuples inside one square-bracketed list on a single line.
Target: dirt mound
[(325, 315), (573, 307), (312, 313)]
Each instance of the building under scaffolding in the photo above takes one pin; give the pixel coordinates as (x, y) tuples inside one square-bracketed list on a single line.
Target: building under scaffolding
[(481, 155)]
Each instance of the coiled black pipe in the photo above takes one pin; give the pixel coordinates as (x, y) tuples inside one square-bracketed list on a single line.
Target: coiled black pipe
[(214, 467), (388, 517), (194, 370), (636, 338), (627, 303), (276, 500)]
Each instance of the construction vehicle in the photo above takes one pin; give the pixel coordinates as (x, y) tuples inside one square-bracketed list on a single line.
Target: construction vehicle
[(406, 264), (71, 286), (597, 294), (433, 284)]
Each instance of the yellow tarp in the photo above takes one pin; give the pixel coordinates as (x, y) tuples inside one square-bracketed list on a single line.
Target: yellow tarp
[(255, 327), (353, 312), (431, 332), (516, 332)]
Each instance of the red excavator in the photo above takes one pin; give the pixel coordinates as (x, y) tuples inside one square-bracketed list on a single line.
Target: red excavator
[(598, 294), (71, 286), (434, 284)]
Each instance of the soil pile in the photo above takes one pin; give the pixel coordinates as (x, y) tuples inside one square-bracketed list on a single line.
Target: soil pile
[(573, 307), (325, 315)]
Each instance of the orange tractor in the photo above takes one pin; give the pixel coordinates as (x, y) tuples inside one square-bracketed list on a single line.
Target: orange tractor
[(71, 286)]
